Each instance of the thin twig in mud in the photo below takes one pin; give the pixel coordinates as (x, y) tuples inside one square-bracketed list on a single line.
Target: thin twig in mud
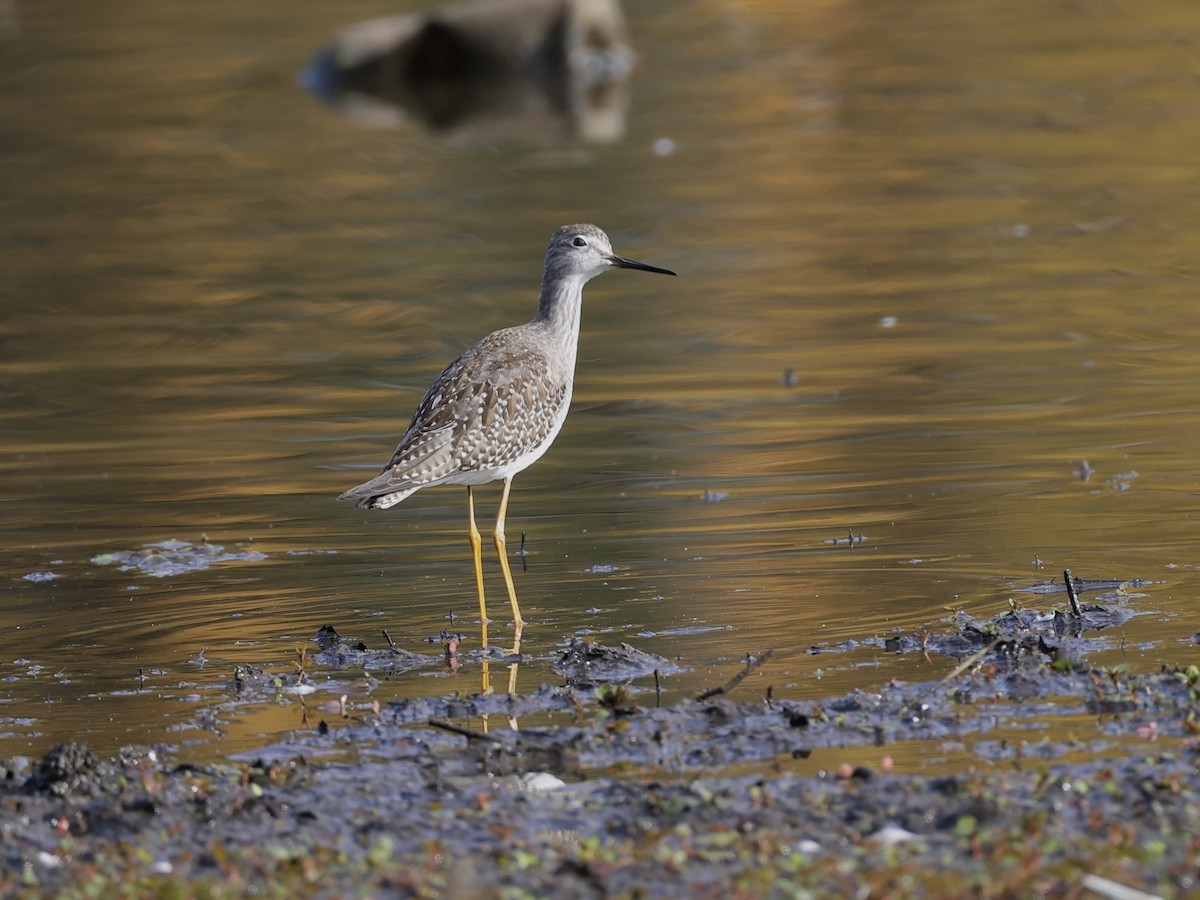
[(468, 733), (971, 660), (387, 637), (657, 691), (737, 679), (1071, 595)]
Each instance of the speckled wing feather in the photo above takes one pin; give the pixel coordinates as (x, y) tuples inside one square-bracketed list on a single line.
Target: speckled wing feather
[(496, 403)]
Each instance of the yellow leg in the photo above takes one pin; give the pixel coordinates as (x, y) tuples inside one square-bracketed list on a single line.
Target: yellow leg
[(502, 549), (477, 554)]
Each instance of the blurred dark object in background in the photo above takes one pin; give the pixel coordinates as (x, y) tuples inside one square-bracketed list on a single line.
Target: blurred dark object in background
[(488, 69)]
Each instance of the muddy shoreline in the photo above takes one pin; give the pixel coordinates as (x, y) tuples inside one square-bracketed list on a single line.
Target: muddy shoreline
[(625, 800)]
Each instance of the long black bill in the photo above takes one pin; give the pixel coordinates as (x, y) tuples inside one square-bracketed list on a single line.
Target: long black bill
[(622, 263)]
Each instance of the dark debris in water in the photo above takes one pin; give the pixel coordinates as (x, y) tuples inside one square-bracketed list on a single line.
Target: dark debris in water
[(1086, 585), (166, 559), (41, 577), (252, 684), (850, 540), (586, 663), (1047, 634), (338, 653), (708, 736)]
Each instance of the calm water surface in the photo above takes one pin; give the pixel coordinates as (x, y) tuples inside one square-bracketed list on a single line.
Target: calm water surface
[(970, 233)]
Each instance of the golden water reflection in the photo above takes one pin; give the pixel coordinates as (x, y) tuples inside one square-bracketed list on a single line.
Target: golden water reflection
[(970, 241)]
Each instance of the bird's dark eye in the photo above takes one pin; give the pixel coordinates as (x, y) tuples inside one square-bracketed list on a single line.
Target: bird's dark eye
[(579, 242)]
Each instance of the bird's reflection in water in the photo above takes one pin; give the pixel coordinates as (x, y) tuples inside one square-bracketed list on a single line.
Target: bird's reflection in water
[(510, 657), (486, 688)]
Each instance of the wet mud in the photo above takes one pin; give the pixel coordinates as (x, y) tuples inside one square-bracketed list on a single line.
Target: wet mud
[(605, 794)]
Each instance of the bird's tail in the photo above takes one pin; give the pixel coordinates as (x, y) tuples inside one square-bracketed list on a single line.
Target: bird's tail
[(378, 493)]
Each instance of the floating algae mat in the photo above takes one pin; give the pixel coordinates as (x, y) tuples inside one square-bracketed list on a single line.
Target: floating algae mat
[(165, 559)]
